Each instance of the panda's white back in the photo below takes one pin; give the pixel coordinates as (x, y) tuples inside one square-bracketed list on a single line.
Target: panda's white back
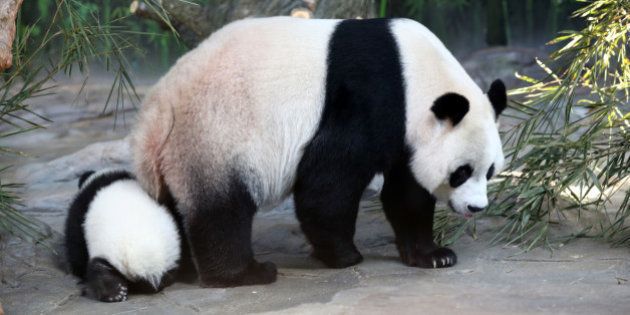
[(134, 233), (232, 102)]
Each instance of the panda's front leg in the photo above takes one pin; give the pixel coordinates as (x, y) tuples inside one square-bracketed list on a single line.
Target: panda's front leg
[(328, 221), (327, 194), (409, 209)]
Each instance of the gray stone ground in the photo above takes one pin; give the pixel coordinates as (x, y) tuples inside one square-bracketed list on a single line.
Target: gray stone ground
[(583, 277)]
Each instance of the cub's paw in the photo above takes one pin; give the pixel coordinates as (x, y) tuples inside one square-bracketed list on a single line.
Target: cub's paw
[(440, 257), (104, 283), (255, 273), (332, 260), (107, 292), (117, 295)]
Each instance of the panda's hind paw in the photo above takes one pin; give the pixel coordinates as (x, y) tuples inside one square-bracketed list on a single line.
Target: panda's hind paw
[(255, 273)]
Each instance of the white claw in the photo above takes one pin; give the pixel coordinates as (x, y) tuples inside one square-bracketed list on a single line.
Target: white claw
[(434, 263), (448, 260), (443, 261)]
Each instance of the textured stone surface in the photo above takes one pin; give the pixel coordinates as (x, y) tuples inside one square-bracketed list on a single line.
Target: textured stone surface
[(583, 277), (486, 65)]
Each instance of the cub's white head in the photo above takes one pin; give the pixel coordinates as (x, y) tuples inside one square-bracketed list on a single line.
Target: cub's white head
[(461, 149)]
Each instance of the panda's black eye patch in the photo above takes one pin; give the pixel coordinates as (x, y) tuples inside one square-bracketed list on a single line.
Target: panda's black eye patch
[(490, 172), (460, 176)]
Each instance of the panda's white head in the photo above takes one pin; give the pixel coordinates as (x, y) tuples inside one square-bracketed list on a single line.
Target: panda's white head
[(461, 149)]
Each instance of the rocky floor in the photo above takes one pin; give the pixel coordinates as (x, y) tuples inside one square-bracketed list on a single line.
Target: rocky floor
[(584, 277)]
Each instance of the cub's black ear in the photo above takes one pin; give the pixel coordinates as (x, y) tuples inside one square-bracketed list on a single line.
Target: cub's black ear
[(84, 177), (497, 96), (450, 106)]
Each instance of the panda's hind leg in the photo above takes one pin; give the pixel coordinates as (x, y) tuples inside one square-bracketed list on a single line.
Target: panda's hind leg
[(104, 283), (219, 229)]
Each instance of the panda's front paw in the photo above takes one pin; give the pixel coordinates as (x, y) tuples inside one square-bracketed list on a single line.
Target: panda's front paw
[(439, 257), (338, 258)]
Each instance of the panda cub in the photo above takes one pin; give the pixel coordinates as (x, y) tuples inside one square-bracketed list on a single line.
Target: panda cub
[(118, 239)]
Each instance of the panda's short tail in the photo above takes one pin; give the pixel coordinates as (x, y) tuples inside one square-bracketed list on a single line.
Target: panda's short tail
[(148, 145)]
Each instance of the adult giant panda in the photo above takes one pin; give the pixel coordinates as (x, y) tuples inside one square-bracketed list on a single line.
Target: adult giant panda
[(118, 239), (273, 106)]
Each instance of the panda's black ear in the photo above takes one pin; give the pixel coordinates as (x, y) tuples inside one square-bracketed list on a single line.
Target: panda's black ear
[(84, 177), (450, 106), (497, 96)]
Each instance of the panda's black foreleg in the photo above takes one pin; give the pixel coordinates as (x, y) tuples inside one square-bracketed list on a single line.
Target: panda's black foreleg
[(219, 230), (409, 209), (326, 205)]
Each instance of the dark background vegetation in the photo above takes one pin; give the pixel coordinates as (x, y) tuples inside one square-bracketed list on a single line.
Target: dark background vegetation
[(484, 23)]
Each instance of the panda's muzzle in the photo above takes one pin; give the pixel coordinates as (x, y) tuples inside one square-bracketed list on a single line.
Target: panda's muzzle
[(475, 209), (471, 210)]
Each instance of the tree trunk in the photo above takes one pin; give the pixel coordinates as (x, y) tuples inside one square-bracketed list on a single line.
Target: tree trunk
[(8, 12), (347, 9), (496, 34), (194, 22)]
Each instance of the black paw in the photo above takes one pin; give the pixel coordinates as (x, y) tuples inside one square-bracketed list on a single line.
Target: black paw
[(440, 257), (119, 294), (104, 283), (338, 258), (255, 273), (107, 291), (260, 273)]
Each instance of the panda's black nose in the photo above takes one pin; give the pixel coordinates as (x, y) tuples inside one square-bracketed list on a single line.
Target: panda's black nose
[(474, 209)]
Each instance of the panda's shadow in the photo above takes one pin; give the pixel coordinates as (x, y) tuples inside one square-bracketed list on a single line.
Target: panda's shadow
[(281, 241), (57, 251), (304, 261)]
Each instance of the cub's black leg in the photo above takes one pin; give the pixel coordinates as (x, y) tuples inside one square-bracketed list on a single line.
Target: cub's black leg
[(409, 208), (219, 228), (326, 201), (104, 283)]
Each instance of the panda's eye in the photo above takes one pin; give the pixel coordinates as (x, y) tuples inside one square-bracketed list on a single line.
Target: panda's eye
[(460, 175), (490, 172)]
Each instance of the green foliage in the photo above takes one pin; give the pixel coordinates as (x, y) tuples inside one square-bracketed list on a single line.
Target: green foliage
[(113, 16), (73, 39), (14, 222), (568, 150)]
